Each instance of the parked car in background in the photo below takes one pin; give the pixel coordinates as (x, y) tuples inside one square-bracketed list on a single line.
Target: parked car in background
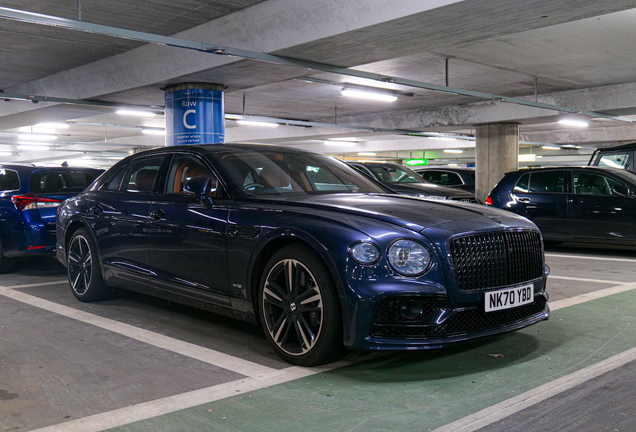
[(584, 204), (29, 198), (404, 181), (321, 256), (460, 178), (620, 157)]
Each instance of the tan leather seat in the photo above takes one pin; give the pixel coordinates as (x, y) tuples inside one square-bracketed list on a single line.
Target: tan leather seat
[(273, 176), (191, 170)]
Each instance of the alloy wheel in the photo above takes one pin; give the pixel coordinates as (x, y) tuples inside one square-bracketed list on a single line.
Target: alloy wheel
[(80, 264), (292, 307)]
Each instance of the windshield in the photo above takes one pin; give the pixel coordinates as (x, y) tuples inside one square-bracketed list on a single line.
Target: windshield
[(278, 172), (61, 181), (395, 174)]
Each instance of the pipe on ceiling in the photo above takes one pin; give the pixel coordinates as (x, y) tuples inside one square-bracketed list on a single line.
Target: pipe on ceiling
[(69, 24)]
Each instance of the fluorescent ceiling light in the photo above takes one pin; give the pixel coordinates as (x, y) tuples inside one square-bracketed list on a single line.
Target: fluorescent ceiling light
[(136, 113), (453, 151), (373, 161), (575, 123), (551, 148), (256, 123), (5, 153), (366, 154), (342, 139), (452, 165), (154, 131), (33, 147), (36, 137), (539, 156), (443, 138), (527, 157), (385, 97), (52, 125), (340, 143)]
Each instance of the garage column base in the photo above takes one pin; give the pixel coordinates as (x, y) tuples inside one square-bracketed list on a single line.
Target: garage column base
[(496, 153)]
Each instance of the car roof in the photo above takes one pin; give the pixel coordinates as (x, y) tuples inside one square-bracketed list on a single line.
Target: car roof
[(629, 146), (585, 167), (430, 168), (219, 148)]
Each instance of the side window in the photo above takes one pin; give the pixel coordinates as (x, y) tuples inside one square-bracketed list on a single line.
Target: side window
[(616, 160), (522, 184), (184, 168), (9, 180), (547, 181), (451, 179), (586, 183), (142, 175), (362, 170), (431, 176), (114, 183)]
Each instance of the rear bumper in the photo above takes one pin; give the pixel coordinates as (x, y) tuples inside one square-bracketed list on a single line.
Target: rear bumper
[(22, 237)]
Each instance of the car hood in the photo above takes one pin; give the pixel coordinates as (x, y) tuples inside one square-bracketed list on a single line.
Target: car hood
[(413, 213), (427, 189)]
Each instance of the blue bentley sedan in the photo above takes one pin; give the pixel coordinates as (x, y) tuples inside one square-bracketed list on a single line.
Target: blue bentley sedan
[(319, 255)]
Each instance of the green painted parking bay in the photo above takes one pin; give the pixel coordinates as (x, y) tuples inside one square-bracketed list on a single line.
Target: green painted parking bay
[(424, 390)]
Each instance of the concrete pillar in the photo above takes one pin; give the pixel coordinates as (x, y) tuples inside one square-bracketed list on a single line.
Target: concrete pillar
[(496, 153), (195, 114)]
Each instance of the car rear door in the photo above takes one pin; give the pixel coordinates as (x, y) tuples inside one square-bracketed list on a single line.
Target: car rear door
[(118, 213), (597, 212), (541, 196), (187, 241)]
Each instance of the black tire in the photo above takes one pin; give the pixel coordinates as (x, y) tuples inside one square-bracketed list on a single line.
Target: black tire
[(302, 324), (84, 270), (6, 264)]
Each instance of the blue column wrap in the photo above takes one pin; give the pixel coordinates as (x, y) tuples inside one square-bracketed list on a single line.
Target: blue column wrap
[(195, 116)]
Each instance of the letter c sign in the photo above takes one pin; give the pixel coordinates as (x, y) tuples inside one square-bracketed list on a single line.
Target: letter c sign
[(185, 120)]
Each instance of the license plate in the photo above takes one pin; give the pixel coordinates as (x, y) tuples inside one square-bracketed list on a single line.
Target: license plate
[(509, 298)]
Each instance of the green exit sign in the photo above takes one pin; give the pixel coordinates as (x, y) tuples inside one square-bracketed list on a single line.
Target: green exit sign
[(416, 162)]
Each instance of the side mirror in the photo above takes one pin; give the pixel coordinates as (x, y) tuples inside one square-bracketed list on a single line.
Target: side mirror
[(200, 188), (621, 190)]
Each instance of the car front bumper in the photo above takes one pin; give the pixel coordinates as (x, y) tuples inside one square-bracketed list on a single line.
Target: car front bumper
[(371, 327)]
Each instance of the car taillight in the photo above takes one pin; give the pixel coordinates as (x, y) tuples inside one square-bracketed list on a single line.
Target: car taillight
[(488, 200), (32, 201)]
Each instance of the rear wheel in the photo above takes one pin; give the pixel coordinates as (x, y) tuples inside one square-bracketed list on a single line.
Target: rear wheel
[(84, 270), (299, 308)]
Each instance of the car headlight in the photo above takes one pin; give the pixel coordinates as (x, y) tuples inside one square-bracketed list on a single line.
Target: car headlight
[(364, 253), (409, 258)]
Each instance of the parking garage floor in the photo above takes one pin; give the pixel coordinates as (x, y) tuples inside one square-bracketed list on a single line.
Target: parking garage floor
[(142, 364)]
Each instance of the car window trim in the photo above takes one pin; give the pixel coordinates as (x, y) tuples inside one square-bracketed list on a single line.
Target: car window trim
[(132, 162), (565, 181)]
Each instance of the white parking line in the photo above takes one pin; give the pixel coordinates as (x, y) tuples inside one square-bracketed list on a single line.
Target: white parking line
[(577, 279), (508, 407), (216, 358), (560, 304), (146, 410), (595, 258), (61, 281)]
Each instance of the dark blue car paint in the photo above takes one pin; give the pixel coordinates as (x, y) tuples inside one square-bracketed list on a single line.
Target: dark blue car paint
[(21, 229), (328, 223), (572, 217)]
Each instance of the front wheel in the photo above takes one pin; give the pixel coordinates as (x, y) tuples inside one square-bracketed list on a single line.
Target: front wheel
[(83, 269), (299, 308)]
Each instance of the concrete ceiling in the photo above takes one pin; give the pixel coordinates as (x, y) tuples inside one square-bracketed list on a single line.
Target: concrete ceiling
[(579, 51)]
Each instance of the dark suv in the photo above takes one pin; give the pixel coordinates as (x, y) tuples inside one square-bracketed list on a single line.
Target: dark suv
[(579, 204), (29, 198)]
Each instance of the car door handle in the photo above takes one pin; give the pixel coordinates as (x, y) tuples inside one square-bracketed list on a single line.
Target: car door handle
[(158, 214), (97, 210), (523, 200), (572, 201)]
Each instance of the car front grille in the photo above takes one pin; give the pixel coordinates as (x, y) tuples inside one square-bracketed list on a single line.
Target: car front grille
[(496, 259), (464, 322)]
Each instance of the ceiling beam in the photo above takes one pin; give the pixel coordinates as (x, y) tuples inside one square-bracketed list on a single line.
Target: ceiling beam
[(217, 49)]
